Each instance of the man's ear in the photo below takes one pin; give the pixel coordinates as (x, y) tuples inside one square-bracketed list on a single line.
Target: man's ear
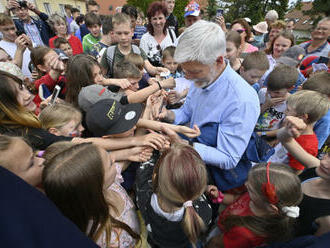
[(220, 60)]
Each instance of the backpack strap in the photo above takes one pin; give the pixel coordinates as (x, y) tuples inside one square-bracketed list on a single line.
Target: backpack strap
[(110, 59), (136, 49), (171, 34)]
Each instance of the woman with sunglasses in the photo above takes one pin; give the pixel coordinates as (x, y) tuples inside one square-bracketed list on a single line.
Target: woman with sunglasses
[(243, 28), (158, 36)]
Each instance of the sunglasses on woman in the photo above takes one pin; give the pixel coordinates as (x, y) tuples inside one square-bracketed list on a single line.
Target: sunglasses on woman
[(240, 31)]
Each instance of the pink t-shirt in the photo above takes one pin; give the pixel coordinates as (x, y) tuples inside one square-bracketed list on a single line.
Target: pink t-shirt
[(251, 49)]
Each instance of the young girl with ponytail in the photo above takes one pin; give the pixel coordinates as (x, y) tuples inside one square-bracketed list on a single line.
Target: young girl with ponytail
[(173, 207), (265, 213)]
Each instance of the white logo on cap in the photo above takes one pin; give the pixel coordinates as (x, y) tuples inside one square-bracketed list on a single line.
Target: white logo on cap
[(130, 115)]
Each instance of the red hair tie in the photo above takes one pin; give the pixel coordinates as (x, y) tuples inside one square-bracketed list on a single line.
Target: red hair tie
[(269, 189)]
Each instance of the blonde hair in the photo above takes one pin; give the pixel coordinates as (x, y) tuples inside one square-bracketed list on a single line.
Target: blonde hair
[(179, 176), (135, 59), (121, 18), (256, 60), (312, 103), (58, 115), (319, 82)]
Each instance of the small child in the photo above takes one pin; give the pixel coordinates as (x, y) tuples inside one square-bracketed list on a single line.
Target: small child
[(137, 60), (61, 120), (262, 215), (254, 67), (64, 45), (174, 208), (273, 99), (169, 62), (320, 83), (179, 93), (107, 39), (93, 24), (310, 106)]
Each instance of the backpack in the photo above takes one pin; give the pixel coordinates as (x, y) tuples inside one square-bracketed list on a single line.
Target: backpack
[(110, 54)]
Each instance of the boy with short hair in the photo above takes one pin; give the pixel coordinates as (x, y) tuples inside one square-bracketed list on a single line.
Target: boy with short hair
[(254, 67), (123, 32), (320, 83), (273, 99), (107, 39), (93, 24), (309, 106), (64, 45)]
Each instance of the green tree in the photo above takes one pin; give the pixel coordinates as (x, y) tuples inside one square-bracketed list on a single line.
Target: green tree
[(211, 8), (320, 9), (254, 9), (178, 10)]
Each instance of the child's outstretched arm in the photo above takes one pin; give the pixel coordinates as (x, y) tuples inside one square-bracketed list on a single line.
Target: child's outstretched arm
[(142, 95), (293, 126), (157, 126)]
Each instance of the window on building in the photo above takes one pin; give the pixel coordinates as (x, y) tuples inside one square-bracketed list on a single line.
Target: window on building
[(48, 8), (305, 22)]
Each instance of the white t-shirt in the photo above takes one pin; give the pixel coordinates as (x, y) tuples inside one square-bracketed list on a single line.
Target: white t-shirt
[(10, 48), (149, 46), (280, 155), (272, 117)]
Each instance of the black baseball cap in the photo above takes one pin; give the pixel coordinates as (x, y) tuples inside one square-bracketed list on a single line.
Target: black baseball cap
[(108, 117)]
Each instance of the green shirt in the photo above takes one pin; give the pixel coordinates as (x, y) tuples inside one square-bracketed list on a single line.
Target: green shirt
[(118, 57), (88, 41)]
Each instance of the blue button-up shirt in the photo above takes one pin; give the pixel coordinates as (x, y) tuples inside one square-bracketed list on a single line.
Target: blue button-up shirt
[(226, 112)]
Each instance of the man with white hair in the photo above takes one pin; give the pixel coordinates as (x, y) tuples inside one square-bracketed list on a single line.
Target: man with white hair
[(270, 17), (319, 45), (220, 102)]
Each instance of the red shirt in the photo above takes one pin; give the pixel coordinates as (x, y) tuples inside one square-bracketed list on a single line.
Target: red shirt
[(74, 42), (309, 143), (238, 236)]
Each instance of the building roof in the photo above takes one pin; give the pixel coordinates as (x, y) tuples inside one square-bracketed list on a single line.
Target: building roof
[(303, 22)]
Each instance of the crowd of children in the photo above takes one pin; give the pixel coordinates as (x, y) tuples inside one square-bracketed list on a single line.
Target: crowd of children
[(82, 120)]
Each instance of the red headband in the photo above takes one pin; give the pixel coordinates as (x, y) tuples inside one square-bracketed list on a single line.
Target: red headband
[(269, 189)]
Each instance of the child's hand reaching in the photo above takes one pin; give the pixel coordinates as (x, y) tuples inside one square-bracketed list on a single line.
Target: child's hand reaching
[(189, 132), (140, 154), (212, 191), (216, 195), (154, 140)]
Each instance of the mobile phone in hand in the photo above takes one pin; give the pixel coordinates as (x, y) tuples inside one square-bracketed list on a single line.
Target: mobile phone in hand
[(56, 91), (219, 12)]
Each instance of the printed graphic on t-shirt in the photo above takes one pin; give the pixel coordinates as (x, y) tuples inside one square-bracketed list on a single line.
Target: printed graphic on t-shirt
[(269, 120)]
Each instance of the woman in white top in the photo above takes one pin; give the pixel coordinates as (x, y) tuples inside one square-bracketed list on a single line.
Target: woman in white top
[(158, 36)]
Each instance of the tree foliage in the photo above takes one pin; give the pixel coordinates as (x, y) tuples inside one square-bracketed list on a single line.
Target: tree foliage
[(178, 10), (320, 9), (211, 8), (254, 9)]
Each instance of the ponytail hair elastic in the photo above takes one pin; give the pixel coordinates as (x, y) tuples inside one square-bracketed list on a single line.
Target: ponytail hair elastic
[(187, 204), (268, 188), (292, 211)]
